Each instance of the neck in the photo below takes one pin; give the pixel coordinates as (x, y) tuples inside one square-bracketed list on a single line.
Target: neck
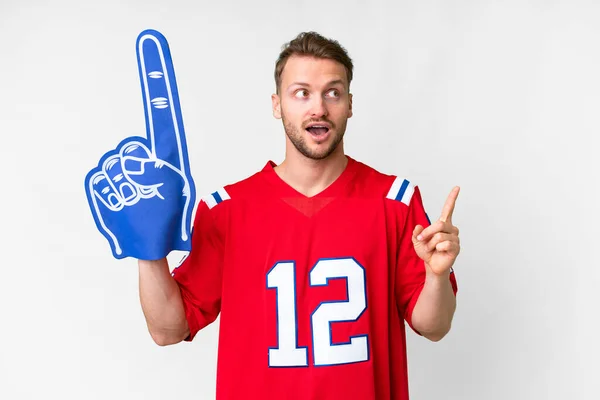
[(309, 176)]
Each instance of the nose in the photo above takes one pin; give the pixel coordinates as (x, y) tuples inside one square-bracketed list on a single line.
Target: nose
[(318, 107)]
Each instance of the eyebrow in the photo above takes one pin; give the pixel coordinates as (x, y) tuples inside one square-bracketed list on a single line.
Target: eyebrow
[(330, 83)]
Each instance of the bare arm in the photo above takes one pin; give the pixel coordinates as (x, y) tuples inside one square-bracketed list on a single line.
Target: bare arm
[(434, 310), (161, 303), (438, 245)]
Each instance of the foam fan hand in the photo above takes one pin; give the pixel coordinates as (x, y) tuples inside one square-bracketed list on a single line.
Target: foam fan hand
[(141, 194)]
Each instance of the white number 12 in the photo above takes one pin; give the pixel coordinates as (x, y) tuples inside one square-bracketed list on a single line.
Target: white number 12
[(282, 277)]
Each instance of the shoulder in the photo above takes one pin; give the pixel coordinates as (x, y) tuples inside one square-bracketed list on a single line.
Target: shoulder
[(395, 187), (214, 207), (402, 190), (227, 193)]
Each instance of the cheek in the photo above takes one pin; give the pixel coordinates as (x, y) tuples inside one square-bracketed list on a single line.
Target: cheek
[(340, 111), (293, 114)]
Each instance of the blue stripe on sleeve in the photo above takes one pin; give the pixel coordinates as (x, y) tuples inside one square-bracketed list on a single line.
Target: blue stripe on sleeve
[(402, 190), (217, 197)]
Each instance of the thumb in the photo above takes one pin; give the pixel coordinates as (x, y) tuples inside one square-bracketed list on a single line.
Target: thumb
[(418, 229), (149, 172)]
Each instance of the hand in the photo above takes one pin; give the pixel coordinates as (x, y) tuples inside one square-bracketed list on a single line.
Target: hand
[(141, 194), (439, 245)]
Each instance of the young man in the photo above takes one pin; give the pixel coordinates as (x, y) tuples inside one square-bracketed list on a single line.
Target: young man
[(313, 264)]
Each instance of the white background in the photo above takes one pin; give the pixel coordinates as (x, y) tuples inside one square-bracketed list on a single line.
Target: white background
[(501, 98)]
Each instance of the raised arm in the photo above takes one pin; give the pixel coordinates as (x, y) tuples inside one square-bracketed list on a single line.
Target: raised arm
[(438, 245)]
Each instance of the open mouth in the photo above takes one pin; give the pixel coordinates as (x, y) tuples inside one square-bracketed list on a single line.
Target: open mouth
[(317, 130)]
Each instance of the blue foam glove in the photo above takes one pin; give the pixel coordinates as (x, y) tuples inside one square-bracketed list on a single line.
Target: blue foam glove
[(142, 194)]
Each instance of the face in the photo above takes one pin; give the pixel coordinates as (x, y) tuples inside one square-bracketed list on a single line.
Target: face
[(314, 105)]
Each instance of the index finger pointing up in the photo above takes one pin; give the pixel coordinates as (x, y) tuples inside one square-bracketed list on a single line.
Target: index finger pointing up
[(164, 123), (449, 206)]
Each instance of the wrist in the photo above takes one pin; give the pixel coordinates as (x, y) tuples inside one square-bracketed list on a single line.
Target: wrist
[(433, 277), (152, 263)]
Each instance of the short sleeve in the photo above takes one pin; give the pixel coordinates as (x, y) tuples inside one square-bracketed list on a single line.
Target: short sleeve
[(410, 272), (200, 274)]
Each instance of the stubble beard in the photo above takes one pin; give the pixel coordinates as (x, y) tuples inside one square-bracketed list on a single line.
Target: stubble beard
[(298, 140)]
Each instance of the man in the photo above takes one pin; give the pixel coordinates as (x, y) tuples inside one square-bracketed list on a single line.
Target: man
[(313, 264)]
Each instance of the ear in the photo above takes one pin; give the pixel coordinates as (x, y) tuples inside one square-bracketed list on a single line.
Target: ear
[(349, 105), (276, 104)]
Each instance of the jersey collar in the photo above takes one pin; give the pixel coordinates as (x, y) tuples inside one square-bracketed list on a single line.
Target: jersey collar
[(336, 188)]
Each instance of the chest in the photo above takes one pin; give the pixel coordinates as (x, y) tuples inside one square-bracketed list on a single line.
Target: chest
[(309, 237)]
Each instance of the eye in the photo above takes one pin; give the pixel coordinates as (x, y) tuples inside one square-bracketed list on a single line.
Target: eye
[(334, 93), (301, 93)]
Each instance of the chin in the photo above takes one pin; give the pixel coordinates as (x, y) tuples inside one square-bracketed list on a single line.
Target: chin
[(319, 152)]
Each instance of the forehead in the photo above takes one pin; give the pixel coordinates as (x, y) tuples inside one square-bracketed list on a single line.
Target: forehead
[(311, 70)]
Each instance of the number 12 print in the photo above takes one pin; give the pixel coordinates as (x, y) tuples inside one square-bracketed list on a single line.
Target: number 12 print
[(282, 278)]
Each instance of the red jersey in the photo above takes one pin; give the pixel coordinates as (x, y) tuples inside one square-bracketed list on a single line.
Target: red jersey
[(312, 292)]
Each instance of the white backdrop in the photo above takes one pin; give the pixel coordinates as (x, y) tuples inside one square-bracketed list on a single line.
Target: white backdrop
[(501, 98)]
